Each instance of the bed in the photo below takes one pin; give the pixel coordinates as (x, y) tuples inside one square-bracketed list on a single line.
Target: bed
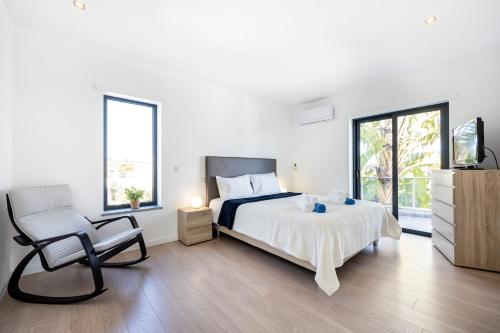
[(318, 242)]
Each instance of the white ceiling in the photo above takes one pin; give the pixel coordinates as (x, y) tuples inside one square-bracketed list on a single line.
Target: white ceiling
[(287, 50)]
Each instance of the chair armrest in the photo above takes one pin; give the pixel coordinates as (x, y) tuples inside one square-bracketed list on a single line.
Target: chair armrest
[(40, 244), (22, 240), (102, 223)]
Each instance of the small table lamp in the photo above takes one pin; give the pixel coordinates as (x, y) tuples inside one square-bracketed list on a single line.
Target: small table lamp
[(196, 202)]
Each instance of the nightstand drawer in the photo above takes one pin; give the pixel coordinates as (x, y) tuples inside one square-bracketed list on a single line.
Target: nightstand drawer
[(199, 234), (199, 220), (195, 214)]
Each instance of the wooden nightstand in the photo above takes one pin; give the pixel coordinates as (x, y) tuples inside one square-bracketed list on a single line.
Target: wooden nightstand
[(195, 225)]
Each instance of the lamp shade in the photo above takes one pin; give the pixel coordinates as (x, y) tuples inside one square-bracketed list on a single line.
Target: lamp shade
[(196, 202)]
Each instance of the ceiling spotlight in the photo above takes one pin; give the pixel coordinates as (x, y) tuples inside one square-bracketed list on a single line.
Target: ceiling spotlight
[(431, 20), (79, 4)]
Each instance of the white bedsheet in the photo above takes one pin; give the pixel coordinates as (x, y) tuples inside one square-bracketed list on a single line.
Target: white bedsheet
[(324, 240), (216, 205)]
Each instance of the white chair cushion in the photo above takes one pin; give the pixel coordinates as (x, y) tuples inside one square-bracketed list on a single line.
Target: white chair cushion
[(28, 201), (55, 223), (103, 245), (114, 240)]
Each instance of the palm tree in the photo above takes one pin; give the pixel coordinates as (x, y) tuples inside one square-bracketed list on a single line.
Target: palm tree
[(418, 143)]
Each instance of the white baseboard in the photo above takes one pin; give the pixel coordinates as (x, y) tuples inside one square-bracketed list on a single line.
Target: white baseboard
[(159, 241), (37, 267)]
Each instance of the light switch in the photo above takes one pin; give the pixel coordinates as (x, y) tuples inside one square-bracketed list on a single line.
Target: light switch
[(177, 168)]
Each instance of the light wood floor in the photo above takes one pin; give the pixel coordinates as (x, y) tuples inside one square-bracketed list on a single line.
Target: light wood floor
[(227, 286)]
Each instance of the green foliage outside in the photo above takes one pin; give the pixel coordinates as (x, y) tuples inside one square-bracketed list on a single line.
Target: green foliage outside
[(418, 154), (126, 174)]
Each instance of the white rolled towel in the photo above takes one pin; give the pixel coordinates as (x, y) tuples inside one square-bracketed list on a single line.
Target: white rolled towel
[(313, 200), (337, 196), (305, 204)]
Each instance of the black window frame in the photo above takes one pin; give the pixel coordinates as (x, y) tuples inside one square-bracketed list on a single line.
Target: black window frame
[(154, 107), (445, 149)]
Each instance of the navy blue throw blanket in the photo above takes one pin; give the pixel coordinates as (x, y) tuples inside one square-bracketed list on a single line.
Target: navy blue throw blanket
[(229, 207)]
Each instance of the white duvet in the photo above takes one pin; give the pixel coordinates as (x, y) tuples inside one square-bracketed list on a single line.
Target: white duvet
[(324, 240)]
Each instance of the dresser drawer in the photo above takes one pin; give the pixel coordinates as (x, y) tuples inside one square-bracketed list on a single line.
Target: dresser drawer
[(444, 211), (443, 178), (443, 246), (199, 234), (443, 193), (444, 228)]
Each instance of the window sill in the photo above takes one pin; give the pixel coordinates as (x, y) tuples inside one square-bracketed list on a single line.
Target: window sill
[(130, 210)]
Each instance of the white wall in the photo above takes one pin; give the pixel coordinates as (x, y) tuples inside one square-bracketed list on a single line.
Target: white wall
[(58, 124), (322, 151), (6, 67)]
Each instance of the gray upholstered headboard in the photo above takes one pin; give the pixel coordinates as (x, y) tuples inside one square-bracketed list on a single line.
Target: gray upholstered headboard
[(232, 167)]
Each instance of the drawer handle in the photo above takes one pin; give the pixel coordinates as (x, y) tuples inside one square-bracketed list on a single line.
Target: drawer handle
[(444, 238), (442, 218), (444, 203), (439, 217)]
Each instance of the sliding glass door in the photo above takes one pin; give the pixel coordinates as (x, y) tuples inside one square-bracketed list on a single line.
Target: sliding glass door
[(394, 154)]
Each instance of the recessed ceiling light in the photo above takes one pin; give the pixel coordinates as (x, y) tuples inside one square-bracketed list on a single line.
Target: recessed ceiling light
[(431, 20), (79, 4)]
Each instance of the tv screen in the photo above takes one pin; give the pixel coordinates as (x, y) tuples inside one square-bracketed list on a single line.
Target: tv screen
[(468, 140)]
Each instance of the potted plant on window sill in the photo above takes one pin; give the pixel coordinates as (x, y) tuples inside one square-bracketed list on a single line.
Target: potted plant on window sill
[(134, 196)]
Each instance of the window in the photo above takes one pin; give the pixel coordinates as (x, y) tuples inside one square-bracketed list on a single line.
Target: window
[(130, 151)]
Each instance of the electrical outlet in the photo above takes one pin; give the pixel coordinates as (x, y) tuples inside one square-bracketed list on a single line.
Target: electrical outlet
[(177, 168)]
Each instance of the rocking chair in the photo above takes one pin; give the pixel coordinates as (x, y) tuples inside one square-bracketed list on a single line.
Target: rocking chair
[(45, 219)]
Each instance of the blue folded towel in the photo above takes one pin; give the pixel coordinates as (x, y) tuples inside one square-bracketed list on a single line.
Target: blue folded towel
[(319, 208), (350, 201)]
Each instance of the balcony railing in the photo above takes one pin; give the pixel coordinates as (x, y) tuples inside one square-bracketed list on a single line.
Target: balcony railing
[(414, 204)]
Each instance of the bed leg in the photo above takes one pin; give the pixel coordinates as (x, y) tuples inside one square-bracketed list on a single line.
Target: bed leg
[(215, 231), (375, 243)]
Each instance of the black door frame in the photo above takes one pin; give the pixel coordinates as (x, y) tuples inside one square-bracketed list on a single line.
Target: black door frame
[(445, 149)]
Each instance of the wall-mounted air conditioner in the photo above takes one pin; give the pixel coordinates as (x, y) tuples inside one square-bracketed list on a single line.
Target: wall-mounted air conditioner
[(315, 115)]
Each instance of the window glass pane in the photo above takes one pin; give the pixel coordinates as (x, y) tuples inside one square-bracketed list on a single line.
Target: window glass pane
[(376, 161), (419, 152), (130, 158)]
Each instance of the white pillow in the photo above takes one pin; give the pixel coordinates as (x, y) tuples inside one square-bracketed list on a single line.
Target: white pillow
[(264, 184), (234, 188)]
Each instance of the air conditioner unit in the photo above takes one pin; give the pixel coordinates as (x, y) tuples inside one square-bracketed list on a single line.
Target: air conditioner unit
[(315, 115)]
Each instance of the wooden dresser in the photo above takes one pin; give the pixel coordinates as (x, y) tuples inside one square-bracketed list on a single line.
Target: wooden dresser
[(195, 225), (466, 217)]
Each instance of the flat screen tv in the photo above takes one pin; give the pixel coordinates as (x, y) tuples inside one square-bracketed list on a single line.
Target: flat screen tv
[(468, 144)]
